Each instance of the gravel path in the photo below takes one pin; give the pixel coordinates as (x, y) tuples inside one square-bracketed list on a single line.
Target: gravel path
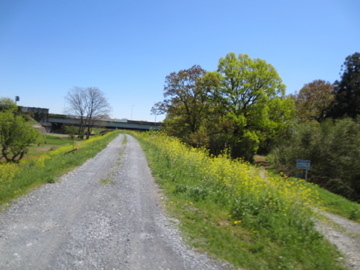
[(345, 235), (105, 214)]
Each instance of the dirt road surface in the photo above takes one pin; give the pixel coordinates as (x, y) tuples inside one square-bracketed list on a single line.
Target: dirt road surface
[(345, 235), (105, 214)]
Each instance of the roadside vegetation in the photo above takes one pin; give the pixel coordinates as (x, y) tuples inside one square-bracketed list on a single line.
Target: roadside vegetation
[(46, 162), (228, 210), (242, 108), (328, 201), (332, 146), (338, 205)]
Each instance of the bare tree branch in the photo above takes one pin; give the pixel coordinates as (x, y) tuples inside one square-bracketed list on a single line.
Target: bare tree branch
[(88, 104)]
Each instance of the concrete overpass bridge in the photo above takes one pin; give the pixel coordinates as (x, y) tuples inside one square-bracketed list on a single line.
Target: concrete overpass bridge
[(56, 122)]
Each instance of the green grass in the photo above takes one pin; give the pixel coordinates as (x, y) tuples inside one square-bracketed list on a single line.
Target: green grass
[(46, 143), (339, 205), (106, 181), (212, 221), (51, 164), (334, 203), (57, 140)]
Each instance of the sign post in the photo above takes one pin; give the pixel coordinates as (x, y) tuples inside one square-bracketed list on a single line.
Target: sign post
[(303, 165)]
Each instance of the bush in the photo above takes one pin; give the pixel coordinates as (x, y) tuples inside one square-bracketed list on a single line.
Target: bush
[(16, 135), (333, 147)]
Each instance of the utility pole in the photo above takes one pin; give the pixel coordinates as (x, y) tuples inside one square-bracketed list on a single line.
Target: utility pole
[(131, 111)]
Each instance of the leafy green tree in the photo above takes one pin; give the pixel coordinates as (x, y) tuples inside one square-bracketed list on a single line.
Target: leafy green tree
[(185, 104), (250, 94), (313, 101), (347, 90), (16, 135), (240, 107)]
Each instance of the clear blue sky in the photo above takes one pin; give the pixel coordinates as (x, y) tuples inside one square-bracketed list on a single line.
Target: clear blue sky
[(126, 48)]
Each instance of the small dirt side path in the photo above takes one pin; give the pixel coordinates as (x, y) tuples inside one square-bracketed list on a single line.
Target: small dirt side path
[(105, 214)]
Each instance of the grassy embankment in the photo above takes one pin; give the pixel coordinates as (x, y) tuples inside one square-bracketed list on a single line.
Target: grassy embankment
[(333, 203), (46, 162), (226, 209), (338, 205)]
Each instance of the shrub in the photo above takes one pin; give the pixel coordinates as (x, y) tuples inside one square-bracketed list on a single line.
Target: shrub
[(333, 147), (15, 136)]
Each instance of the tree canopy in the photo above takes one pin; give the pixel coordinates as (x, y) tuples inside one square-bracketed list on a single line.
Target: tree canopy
[(6, 104), (183, 97), (313, 101), (251, 94), (347, 90), (238, 107)]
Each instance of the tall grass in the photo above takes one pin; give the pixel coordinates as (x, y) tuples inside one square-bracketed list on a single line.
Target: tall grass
[(17, 179), (229, 210)]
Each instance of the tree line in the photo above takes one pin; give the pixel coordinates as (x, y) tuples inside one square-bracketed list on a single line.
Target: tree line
[(327, 132), (242, 109)]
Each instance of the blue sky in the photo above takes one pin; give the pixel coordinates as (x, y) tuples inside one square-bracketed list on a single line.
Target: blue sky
[(126, 48)]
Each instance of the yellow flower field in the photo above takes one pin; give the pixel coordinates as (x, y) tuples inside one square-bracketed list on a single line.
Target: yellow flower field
[(260, 200)]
